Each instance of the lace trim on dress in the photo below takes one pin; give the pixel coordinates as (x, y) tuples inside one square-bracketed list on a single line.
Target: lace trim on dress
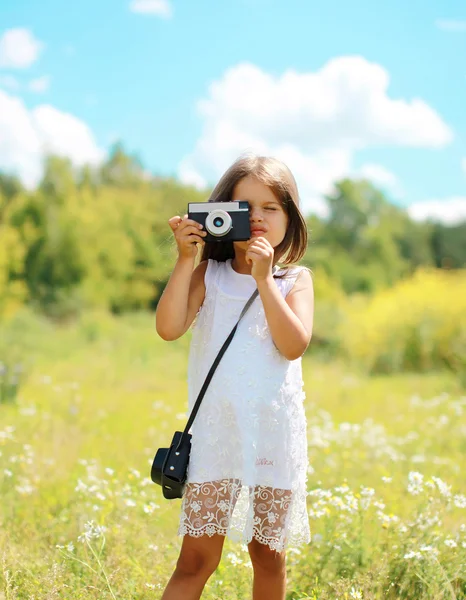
[(226, 507)]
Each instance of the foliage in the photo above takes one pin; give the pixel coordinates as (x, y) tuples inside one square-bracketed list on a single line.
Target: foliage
[(419, 324), (97, 238)]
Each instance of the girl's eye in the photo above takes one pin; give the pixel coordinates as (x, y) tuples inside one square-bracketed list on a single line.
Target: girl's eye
[(270, 208)]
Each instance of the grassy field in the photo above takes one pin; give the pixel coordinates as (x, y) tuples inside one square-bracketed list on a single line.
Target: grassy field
[(79, 517)]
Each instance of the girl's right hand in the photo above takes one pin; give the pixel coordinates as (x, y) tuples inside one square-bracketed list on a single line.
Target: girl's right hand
[(187, 233)]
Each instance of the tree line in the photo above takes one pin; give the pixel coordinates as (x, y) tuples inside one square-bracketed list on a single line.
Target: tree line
[(98, 238)]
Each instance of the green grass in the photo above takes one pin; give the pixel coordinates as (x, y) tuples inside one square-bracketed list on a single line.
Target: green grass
[(104, 394)]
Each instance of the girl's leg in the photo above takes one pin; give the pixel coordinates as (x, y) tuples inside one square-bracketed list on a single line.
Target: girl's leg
[(269, 572), (199, 557), (271, 507)]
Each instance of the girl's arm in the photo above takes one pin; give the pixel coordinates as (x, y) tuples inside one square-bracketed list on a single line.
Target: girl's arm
[(185, 290), (290, 319), (181, 299)]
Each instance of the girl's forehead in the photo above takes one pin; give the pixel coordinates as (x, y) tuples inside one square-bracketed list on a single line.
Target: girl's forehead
[(251, 189)]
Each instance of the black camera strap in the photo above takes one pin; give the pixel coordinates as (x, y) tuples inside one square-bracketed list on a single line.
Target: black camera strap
[(210, 374)]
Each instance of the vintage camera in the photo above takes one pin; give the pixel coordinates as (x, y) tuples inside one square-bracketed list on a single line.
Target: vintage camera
[(223, 221)]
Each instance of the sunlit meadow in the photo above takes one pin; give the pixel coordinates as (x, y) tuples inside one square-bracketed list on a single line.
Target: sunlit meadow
[(85, 406)]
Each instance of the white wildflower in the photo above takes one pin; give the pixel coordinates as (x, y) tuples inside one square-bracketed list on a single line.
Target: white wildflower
[(415, 482), (429, 550), (413, 554), (91, 531), (459, 501), (81, 487), (316, 514), (149, 508), (234, 559), (387, 519), (444, 489), (25, 489), (367, 494)]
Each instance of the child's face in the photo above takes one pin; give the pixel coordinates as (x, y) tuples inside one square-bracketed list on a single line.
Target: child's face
[(266, 211)]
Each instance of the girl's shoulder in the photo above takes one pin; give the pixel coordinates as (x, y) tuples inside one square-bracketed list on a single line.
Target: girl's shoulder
[(292, 271), (293, 275)]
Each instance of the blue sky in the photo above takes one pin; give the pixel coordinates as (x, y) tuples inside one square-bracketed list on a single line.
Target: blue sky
[(189, 85)]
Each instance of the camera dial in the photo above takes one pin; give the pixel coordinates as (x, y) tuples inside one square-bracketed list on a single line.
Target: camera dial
[(218, 222)]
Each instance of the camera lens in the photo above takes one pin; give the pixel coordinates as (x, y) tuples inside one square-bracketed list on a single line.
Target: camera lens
[(218, 223)]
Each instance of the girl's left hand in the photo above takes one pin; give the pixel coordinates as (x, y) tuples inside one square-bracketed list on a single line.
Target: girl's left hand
[(260, 254)]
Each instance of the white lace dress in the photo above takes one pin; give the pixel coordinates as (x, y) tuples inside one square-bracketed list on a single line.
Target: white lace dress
[(248, 463)]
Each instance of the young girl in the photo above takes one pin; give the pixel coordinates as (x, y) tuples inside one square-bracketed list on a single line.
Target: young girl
[(248, 462)]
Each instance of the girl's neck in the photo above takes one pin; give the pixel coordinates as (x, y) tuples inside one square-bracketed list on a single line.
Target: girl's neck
[(240, 265)]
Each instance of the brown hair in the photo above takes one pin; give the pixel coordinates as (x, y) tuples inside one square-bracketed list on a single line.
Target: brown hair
[(276, 175)]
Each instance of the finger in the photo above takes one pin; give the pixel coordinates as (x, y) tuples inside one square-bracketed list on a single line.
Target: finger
[(262, 250), (174, 222), (191, 230), (255, 254), (260, 240), (190, 222), (195, 239), (258, 244)]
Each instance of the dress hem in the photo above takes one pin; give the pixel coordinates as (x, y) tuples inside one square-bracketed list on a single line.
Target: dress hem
[(274, 544)]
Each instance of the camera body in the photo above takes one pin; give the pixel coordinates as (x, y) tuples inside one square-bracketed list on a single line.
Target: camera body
[(223, 221)]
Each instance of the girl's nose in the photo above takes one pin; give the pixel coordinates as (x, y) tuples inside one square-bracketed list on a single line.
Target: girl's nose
[(256, 215)]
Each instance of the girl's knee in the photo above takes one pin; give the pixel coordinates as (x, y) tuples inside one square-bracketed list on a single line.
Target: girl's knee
[(194, 562), (265, 559)]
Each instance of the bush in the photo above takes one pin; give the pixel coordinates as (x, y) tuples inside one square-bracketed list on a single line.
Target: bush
[(418, 325)]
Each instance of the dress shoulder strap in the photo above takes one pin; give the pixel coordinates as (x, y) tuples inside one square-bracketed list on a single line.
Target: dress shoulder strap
[(289, 278)]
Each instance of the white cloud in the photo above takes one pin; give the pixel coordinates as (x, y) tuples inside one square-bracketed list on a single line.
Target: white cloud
[(19, 49), (314, 121), (447, 210), (382, 178), (453, 25), (162, 8), (40, 85), (190, 176), (27, 135), (10, 82)]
